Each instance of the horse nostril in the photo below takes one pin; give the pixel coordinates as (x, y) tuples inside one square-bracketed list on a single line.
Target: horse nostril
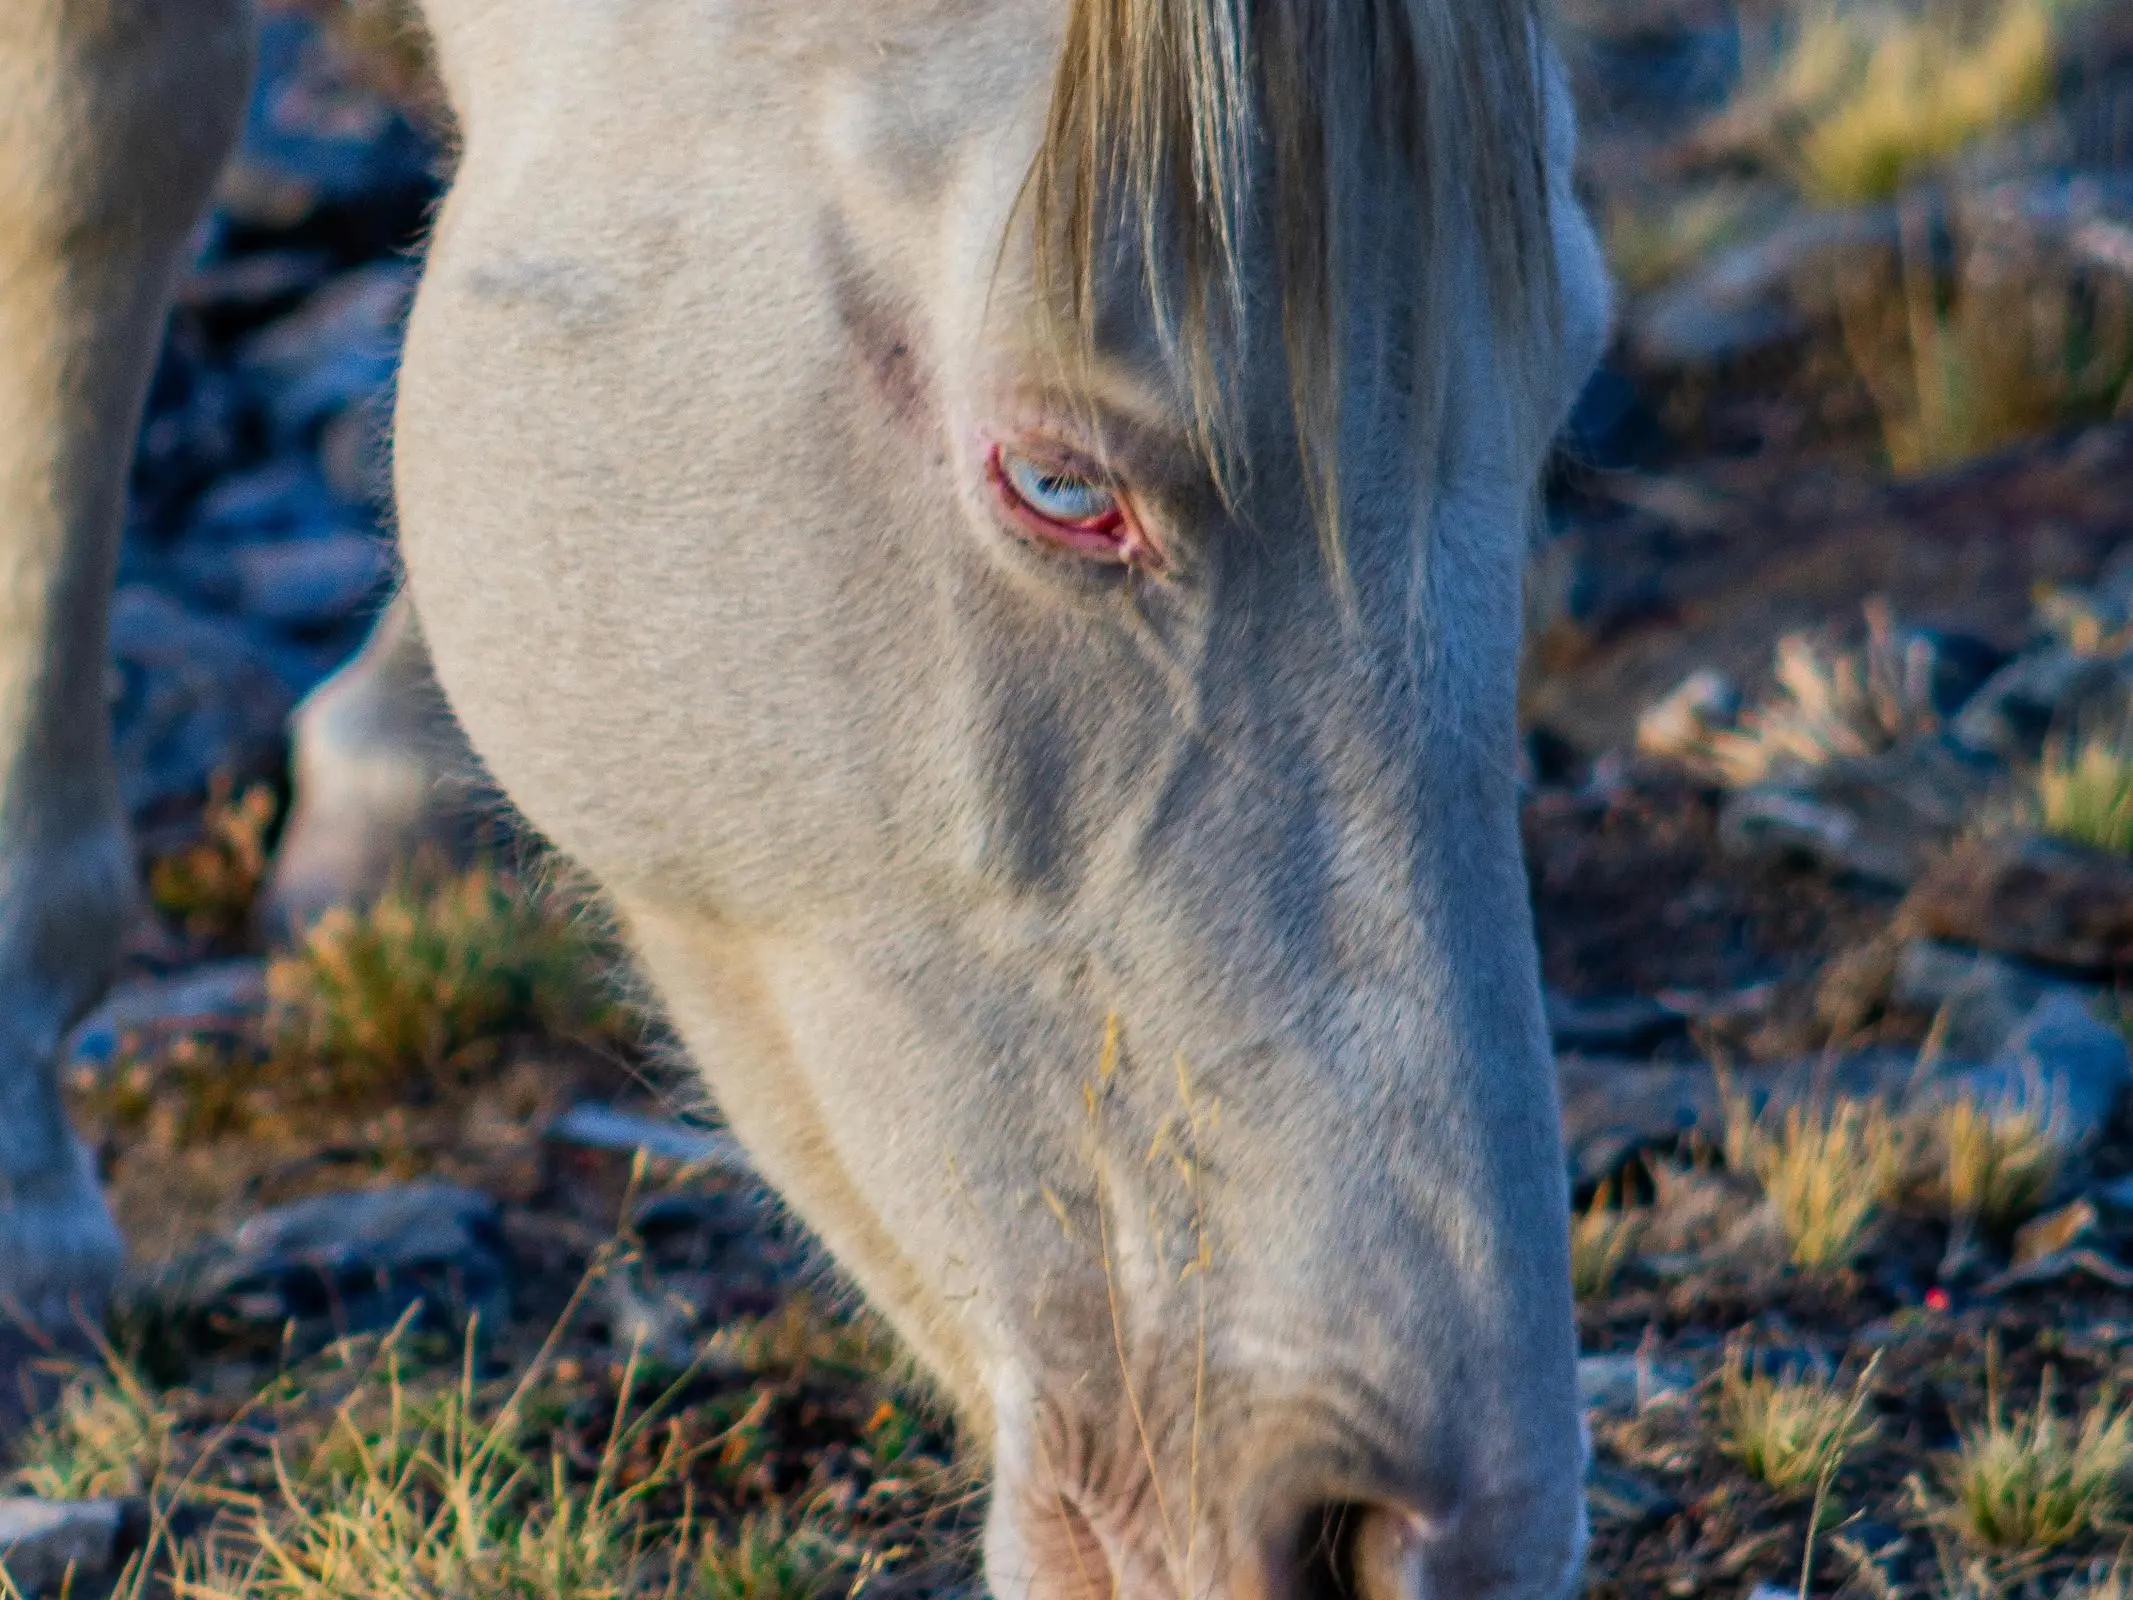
[(1349, 1551)]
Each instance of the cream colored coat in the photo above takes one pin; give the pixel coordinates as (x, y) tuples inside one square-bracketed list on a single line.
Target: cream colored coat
[(727, 313)]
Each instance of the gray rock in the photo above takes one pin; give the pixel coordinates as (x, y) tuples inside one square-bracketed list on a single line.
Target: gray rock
[(2060, 1266), (285, 499), (2080, 217), (2111, 595), (1770, 820), (647, 1317), (1614, 1494), (592, 1125), (339, 349), (2064, 1063), (1963, 664), (2038, 899), (359, 1261), (1701, 323), (42, 1540), (1612, 1109), (1982, 998), (260, 195), (197, 695), (1880, 819), (2116, 1196), (1627, 68), (222, 993), (1747, 299), (2046, 688), (314, 140), (361, 305), (260, 278), (1878, 1074), (1620, 1022), (1625, 1383), (383, 775), (1771, 288), (307, 584)]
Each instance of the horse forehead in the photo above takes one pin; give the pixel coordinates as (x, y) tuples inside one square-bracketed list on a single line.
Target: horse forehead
[(624, 65), (900, 103), (692, 106)]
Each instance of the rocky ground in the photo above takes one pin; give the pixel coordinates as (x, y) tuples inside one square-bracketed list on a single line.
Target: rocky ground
[(1830, 821)]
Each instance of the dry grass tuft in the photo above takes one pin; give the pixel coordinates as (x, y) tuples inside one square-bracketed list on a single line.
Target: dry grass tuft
[(1866, 98), (1965, 1574), (442, 1495), (2016, 340), (411, 1490), (420, 986), (1827, 1170), (1995, 1166), (2085, 792), (209, 889), (191, 1092), (804, 1337), (2112, 1581), (1832, 703), (395, 1030), (767, 1559), (2034, 1482), (1792, 1432), (1602, 1237), (370, 1471), (109, 1436)]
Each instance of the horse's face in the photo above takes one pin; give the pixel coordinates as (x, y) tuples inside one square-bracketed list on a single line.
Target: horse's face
[(921, 716)]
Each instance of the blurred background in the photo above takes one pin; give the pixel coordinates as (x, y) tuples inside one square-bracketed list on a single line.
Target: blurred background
[(1828, 769)]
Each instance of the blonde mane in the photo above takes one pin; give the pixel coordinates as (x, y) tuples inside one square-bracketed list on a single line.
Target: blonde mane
[(1389, 134)]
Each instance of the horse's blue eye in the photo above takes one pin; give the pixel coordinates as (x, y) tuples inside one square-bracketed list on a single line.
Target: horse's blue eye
[(1061, 496)]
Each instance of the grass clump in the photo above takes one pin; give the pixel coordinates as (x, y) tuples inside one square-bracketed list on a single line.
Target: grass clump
[(1791, 1432), (1996, 1165), (440, 1502), (2014, 340), (210, 887), (1832, 703), (428, 979), (1602, 1237), (109, 1436), (2085, 792), (1913, 91), (767, 1559), (1862, 99), (2033, 1482), (804, 1336), (1827, 1169), (415, 1493), (191, 1091), (2101, 1582)]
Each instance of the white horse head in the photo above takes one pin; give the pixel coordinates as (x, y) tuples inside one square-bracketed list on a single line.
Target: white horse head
[(995, 526)]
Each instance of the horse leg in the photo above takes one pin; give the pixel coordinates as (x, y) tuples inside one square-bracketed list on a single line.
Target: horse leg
[(383, 777), (115, 116)]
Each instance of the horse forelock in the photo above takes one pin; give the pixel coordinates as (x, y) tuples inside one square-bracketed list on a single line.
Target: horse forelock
[(1391, 143)]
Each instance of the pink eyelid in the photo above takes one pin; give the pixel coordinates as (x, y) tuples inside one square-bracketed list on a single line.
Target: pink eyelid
[(1113, 536)]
